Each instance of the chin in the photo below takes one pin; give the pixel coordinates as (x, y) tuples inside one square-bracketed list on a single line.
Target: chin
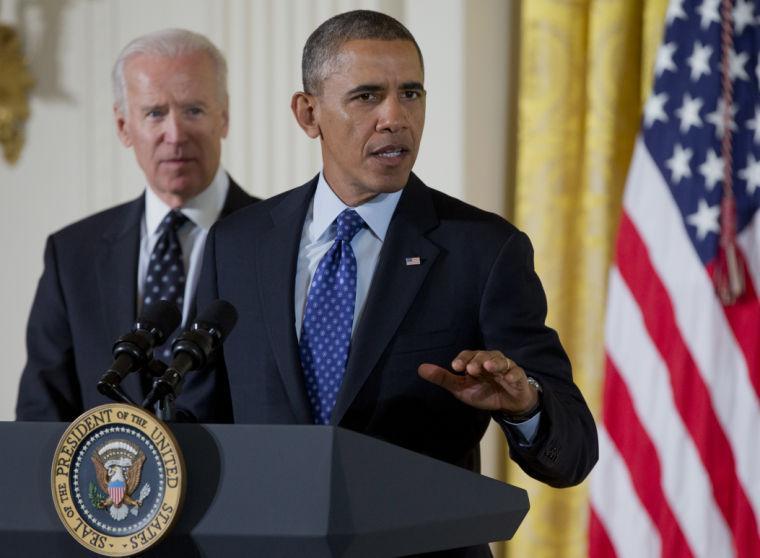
[(391, 187), (181, 188), (387, 184)]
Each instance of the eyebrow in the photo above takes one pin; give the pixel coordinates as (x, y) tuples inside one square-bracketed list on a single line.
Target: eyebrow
[(412, 85), (160, 106), (365, 89)]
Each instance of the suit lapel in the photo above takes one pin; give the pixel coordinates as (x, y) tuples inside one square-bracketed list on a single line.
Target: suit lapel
[(394, 287), (276, 265), (116, 269), (237, 198)]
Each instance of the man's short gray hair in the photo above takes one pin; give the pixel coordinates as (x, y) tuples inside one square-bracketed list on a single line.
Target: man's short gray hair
[(171, 43), (324, 43)]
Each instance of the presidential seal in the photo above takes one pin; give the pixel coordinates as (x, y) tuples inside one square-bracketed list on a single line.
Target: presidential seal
[(118, 480)]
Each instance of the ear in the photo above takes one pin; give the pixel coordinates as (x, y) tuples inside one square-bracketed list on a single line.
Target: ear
[(226, 118), (304, 107), (122, 130)]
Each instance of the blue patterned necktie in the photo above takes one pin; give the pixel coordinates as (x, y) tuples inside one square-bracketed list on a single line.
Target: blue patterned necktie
[(329, 317), (166, 271)]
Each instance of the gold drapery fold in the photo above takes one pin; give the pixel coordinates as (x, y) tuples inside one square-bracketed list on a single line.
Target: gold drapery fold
[(585, 71)]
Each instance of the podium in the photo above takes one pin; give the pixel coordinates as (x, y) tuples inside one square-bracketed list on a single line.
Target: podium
[(262, 490)]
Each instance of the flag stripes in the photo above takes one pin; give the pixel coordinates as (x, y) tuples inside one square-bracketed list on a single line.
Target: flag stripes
[(627, 525), (600, 545), (699, 430), (743, 319), (643, 464), (646, 376)]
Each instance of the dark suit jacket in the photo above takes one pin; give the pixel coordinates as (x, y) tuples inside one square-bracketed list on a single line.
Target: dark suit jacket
[(475, 288), (86, 299)]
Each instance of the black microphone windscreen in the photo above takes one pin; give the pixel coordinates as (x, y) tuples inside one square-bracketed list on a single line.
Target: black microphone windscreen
[(220, 315), (161, 315)]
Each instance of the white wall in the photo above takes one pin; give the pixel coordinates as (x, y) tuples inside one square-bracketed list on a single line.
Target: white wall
[(73, 165)]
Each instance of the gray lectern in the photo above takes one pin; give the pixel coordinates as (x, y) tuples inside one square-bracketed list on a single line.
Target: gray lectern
[(295, 491)]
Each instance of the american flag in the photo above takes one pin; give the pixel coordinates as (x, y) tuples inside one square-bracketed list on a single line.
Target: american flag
[(679, 468)]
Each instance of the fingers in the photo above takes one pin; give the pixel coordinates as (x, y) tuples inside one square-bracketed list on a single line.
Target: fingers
[(439, 376), (485, 363), (485, 380)]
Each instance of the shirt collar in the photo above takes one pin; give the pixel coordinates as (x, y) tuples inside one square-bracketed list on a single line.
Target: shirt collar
[(326, 206), (203, 210)]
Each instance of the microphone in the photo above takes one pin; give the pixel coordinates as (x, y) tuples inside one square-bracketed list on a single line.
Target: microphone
[(192, 349), (134, 350)]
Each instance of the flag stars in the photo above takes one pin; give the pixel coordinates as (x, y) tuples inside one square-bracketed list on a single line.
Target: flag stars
[(708, 13), (712, 169), (705, 220), (754, 124), (654, 110), (736, 63), (716, 118), (699, 61), (679, 163), (751, 174), (675, 11), (665, 59), (743, 15), (688, 113)]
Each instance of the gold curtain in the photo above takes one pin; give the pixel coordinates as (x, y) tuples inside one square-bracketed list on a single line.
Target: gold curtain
[(585, 72)]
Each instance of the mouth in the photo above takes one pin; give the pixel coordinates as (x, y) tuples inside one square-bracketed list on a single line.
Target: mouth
[(390, 154)]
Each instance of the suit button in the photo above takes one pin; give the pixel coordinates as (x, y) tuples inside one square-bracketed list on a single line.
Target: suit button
[(551, 453)]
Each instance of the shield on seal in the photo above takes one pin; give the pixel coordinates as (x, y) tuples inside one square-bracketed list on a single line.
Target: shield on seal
[(116, 491)]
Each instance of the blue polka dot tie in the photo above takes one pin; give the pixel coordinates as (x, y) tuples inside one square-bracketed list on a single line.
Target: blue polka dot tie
[(328, 319), (166, 272)]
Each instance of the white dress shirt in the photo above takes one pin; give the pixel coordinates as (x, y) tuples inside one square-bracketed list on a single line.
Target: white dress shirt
[(202, 211)]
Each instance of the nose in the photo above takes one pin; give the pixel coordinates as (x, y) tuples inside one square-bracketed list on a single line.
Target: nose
[(174, 128), (392, 115)]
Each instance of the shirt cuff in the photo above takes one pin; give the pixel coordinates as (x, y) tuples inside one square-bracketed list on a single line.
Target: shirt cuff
[(525, 431)]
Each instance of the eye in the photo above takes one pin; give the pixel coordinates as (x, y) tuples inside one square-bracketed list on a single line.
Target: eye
[(366, 97), (411, 94), (154, 113), (195, 111)]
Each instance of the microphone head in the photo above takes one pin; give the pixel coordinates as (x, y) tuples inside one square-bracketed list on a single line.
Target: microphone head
[(218, 318), (160, 318)]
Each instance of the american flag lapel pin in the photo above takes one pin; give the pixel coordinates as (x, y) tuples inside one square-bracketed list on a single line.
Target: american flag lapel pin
[(413, 260)]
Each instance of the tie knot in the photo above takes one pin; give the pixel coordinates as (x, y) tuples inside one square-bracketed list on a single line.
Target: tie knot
[(173, 221), (348, 223)]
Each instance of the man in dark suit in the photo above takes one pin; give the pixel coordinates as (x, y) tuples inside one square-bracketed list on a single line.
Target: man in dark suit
[(171, 106), (416, 326)]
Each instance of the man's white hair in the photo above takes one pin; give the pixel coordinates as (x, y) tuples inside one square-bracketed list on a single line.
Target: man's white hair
[(170, 43)]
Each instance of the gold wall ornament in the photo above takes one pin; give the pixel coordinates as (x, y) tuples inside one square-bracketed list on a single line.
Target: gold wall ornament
[(15, 84)]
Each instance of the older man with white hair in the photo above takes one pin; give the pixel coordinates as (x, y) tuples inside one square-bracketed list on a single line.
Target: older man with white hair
[(171, 107)]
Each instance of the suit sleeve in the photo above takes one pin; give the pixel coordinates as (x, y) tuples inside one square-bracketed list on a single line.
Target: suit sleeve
[(205, 396), (512, 315), (49, 388)]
